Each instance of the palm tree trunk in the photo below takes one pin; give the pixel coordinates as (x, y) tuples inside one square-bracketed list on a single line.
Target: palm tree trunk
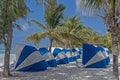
[(6, 71), (115, 51), (51, 42), (115, 66), (115, 48), (71, 51)]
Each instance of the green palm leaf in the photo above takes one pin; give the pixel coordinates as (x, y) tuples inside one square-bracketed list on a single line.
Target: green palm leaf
[(39, 24), (53, 18), (36, 37)]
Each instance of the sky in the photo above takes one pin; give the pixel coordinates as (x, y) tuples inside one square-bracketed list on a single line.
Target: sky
[(72, 9)]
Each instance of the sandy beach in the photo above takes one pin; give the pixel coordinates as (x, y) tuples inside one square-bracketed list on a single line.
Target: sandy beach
[(65, 72), (42, 34)]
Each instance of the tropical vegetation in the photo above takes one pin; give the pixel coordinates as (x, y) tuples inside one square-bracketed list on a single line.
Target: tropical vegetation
[(67, 33), (110, 14), (8, 17), (53, 18), (61, 32), (68, 30)]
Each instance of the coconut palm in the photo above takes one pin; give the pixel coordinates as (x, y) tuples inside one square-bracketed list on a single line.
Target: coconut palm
[(110, 14), (107, 40), (87, 34), (94, 38), (53, 18), (68, 30), (10, 11)]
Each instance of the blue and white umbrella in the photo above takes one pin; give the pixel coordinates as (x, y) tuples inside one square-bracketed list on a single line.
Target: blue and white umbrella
[(80, 51), (106, 53), (76, 53), (60, 56), (93, 57), (48, 57), (68, 53), (28, 58)]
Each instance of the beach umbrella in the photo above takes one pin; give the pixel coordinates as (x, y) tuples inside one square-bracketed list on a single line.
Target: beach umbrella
[(80, 51), (93, 57), (109, 53), (28, 58), (75, 54), (106, 53), (48, 57), (68, 54), (52, 49), (60, 56)]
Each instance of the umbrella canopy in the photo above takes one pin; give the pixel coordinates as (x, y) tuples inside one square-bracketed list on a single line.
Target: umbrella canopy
[(48, 56), (60, 56), (93, 57), (28, 58)]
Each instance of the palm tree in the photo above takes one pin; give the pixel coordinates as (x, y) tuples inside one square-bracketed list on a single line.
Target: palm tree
[(88, 35), (94, 38), (110, 14), (67, 33), (107, 41), (10, 10), (53, 18), (68, 30)]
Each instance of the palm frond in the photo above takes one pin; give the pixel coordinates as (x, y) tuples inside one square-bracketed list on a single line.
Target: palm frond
[(54, 17), (91, 7), (36, 37), (58, 41), (39, 24), (71, 37)]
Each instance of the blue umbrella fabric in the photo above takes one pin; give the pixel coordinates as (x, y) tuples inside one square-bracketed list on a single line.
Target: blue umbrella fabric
[(93, 57), (60, 56), (76, 53), (28, 58), (48, 57), (68, 53), (106, 53), (80, 51)]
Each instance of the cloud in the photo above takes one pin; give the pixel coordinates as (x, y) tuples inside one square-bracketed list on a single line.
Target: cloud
[(78, 5), (84, 11), (80, 8), (25, 27)]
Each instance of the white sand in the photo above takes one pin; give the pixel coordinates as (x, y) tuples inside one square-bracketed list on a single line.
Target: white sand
[(65, 72)]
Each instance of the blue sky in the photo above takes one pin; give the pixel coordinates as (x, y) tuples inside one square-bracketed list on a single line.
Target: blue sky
[(71, 9)]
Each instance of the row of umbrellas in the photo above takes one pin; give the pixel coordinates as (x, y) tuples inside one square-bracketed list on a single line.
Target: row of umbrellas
[(29, 58)]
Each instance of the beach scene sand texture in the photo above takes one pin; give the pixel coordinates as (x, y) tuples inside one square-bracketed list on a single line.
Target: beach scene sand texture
[(71, 71), (65, 72), (85, 31)]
